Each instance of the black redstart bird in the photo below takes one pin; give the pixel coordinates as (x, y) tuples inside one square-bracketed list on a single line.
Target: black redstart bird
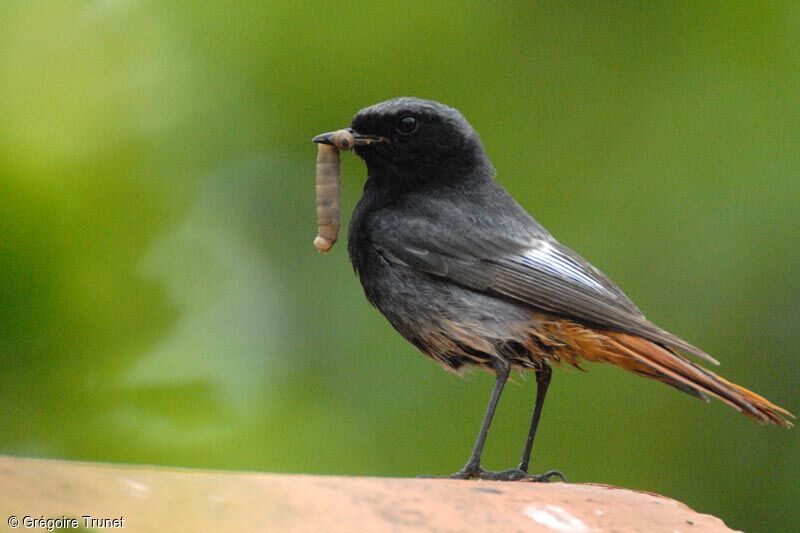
[(468, 277)]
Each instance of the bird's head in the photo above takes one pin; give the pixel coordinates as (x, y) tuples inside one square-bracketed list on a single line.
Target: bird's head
[(410, 136)]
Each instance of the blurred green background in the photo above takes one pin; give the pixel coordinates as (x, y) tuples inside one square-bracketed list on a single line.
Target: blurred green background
[(161, 302)]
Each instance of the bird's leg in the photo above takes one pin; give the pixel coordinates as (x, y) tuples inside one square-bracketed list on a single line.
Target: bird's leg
[(473, 466), (543, 376)]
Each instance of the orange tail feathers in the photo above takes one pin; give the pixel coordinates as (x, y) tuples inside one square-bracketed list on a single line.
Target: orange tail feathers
[(644, 357), (569, 342)]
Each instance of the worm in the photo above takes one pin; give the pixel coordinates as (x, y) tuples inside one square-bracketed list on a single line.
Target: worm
[(328, 211)]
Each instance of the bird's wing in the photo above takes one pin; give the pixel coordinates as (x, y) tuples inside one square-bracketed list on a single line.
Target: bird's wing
[(537, 271)]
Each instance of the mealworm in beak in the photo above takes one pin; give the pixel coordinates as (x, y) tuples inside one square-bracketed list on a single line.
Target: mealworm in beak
[(328, 211)]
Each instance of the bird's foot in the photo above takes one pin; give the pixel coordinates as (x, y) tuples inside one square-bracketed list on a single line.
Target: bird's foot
[(470, 471), (513, 474)]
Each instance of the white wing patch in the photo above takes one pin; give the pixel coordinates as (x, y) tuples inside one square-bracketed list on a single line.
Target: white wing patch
[(546, 258)]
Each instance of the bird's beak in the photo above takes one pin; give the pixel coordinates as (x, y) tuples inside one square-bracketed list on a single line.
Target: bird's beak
[(359, 139)]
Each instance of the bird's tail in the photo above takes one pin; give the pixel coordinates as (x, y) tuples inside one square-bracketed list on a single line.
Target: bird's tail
[(660, 363)]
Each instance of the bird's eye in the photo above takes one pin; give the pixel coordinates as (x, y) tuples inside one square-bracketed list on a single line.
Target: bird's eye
[(407, 124)]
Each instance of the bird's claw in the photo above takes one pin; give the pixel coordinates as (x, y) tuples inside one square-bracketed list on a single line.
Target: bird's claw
[(513, 474)]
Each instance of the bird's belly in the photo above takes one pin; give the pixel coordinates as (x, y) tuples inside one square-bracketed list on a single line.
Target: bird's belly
[(454, 325)]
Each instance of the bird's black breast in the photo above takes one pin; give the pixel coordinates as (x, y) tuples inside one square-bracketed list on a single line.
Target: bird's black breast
[(379, 277), (363, 255)]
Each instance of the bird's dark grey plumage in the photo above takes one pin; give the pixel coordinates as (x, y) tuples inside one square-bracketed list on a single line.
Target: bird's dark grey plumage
[(464, 273), (440, 212)]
